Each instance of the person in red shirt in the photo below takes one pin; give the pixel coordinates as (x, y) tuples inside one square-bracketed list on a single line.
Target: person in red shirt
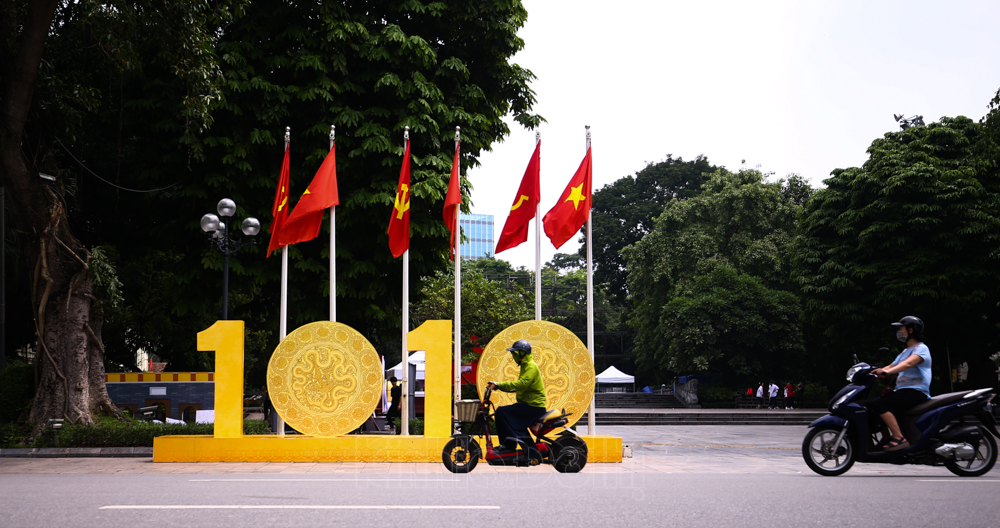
[(789, 396)]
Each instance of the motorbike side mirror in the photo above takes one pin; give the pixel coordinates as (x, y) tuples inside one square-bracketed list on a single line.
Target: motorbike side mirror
[(856, 359)]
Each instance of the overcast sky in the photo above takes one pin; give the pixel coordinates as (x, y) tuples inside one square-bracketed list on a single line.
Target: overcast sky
[(790, 87)]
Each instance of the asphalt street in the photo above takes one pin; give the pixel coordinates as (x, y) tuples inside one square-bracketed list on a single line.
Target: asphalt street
[(713, 476)]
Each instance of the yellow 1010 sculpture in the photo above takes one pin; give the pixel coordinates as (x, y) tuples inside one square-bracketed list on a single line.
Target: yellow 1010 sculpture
[(325, 379)]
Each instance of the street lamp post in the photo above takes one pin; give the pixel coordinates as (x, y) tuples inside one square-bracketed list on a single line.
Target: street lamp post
[(227, 245)]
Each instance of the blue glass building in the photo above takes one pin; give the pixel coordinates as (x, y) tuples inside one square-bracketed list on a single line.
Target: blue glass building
[(478, 229)]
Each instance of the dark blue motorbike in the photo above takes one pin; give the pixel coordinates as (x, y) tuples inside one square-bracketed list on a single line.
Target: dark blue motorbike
[(936, 429)]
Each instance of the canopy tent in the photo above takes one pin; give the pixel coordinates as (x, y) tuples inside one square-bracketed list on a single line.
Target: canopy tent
[(416, 358), (615, 376)]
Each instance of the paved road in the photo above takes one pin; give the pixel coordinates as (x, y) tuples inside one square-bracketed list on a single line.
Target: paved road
[(713, 476)]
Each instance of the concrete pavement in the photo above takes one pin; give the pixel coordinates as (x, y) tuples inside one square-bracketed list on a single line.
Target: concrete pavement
[(701, 449)]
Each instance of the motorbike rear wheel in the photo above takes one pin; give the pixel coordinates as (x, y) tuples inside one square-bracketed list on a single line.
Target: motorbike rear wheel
[(820, 455), (982, 462), (461, 454)]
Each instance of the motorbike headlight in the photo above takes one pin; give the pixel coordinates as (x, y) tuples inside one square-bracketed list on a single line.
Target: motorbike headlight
[(852, 371), (843, 398)]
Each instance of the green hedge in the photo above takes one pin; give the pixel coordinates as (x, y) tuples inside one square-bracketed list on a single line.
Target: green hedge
[(112, 433)]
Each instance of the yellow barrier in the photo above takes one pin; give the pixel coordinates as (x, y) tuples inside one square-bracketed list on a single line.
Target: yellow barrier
[(349, 448)]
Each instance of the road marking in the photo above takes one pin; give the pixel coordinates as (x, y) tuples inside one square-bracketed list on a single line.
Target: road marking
[(325, 480), (719, 446), (286, 507), (959, 480)]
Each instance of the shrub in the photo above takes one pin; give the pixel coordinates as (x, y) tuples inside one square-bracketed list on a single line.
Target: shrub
[(715, 393), (108, 432), (817, 396)]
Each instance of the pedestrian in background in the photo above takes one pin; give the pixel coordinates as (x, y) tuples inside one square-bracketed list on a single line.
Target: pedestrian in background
[(789, 396), (772, 393), (761, 394), (395, 394), (800, 393)]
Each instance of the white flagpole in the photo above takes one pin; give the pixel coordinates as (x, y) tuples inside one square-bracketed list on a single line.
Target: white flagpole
[(458, 290), (283, 303), (333, 245), (405, 414), (590, 298), (538, 237)]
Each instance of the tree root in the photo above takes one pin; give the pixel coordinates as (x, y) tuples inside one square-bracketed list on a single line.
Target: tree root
[(93, 336)]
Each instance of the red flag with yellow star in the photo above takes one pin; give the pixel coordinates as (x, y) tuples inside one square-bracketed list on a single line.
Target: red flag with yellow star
[(452, 203), (572, 209), (307, 217), (515, 229), (280, 208), (399, 223)]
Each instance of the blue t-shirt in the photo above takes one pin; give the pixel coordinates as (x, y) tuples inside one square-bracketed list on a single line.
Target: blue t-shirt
[(918, 377)]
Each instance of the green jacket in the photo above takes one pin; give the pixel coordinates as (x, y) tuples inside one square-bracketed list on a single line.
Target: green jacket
[(529, 386)]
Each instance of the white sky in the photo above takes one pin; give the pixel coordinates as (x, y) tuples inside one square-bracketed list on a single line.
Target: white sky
[(791, 87)]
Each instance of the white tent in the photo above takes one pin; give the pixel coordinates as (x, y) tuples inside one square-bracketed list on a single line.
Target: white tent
[(613, 375), (416, 358)]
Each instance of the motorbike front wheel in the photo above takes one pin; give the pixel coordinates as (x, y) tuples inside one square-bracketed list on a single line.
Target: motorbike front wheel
[(983, 460), (461, 454), (821, 455)]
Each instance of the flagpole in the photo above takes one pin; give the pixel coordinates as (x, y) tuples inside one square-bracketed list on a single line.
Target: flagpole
[(538, 236), (405, 411), (333, 244), (590, 298), (457, 370), (283, 302)]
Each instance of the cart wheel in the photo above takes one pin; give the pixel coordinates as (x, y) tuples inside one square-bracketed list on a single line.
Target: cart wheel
[(461, 454)]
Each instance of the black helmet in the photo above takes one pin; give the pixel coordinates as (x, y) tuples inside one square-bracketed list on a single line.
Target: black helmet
[(913, 324), (520, 348)]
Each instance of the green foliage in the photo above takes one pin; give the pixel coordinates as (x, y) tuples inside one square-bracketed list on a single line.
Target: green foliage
[(190, 101), (914, 231), (714, 394), (105, 277), (416, 426), (624, 211), (816, 395), (487, 306), (710, 283), (17, 390)]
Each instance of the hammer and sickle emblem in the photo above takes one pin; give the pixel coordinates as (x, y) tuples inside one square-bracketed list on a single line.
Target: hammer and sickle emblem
[(520, 201), (402, 204)]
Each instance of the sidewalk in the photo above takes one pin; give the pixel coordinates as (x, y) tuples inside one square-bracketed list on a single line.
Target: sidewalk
[(655, 449)]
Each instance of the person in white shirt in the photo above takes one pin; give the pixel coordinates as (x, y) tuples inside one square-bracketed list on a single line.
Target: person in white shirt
[(773, 396)]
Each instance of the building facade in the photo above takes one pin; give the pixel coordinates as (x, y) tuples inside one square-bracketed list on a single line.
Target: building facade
[(478, 230)]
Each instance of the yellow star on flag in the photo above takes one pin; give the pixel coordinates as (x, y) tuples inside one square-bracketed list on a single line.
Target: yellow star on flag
[(576, 196)]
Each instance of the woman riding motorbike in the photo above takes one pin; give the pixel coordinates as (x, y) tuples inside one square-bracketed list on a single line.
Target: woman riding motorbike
[(513, 420), (912, 385)]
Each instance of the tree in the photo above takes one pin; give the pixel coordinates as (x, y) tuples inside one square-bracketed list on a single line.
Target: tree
[(911, 232), (487, 306), (40, 105), (625, 210), (145, 102), (712, 271)]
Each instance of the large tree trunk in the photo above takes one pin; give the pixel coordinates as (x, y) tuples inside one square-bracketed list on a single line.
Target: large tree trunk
[(69, 353)]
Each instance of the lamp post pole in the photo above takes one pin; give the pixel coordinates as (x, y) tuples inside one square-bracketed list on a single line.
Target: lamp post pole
[(226, 245)]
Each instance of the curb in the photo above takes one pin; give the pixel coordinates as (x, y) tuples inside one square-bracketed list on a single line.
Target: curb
[(78, 452)]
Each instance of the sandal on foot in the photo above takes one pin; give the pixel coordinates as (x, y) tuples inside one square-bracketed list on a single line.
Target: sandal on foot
[(896, 444)]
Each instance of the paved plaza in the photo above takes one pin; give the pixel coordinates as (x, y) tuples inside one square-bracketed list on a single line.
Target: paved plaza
[(711, 476), (702, 449)]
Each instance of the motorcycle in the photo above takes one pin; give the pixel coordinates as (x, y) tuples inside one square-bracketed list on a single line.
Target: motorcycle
[(936, 429), (567, 452)]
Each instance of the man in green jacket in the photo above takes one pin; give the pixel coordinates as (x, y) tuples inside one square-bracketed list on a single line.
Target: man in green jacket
[(513, 420)]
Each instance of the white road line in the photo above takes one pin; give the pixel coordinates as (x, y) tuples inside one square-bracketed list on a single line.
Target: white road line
[(286, 507), (325, 480), (958, 480)]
